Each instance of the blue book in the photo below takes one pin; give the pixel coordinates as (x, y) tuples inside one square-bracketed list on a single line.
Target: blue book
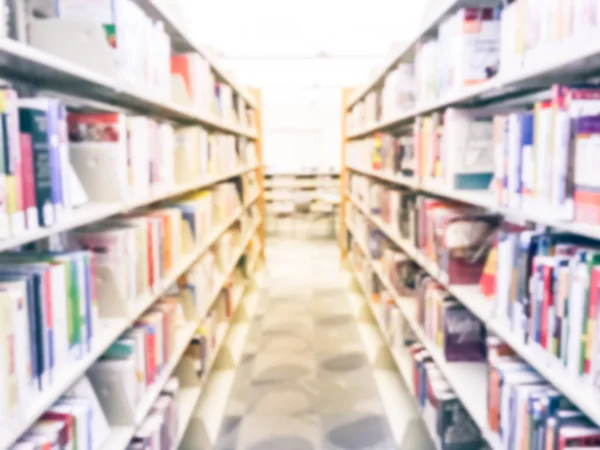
[(43, 315), (56, 118)]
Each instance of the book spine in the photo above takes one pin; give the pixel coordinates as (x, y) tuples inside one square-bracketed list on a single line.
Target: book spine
[(150, 353), (592, 315), (35, 123), (22, 344), (54, 153), (7, 358), (49, 322), (28, 182), (5, 202), (79, 265), (63, 142), (12, 156), (546, 309), (34, 333), (43, 332), (59, 315), (75, 314), (89, 305)]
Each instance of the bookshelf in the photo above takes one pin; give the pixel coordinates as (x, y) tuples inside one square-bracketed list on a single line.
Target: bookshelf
[(183, 215), (405, 197)]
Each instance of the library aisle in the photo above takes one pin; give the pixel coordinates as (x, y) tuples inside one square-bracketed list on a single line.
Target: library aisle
[(307, 380)]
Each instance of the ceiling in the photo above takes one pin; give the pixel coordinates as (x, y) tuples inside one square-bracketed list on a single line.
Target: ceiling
[(279, 29)]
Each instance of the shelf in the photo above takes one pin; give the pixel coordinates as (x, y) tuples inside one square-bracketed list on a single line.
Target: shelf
[(302, 174), (184, 337), (187, 398), (183, 40), (468, 380), (485, 199), (572, 59), (95, 212), (111, 330), (26, 63), (582, 395)]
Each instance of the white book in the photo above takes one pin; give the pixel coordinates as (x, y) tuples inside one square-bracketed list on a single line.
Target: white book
[(579, 286), (514, 162), (138, 334), (17, 291), (81, 410), (84, 391)]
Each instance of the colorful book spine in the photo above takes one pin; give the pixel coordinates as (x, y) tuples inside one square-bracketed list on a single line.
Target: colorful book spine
[(587, 155), (33, 117), (55, 148), (12, 156)]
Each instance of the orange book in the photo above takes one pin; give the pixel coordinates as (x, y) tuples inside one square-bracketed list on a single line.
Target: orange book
[(181, 65)]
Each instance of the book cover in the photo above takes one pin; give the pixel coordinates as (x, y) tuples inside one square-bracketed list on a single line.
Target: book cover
[(9, 111), (573, 435), (587, 154), (33, 118), (9, 390), (55, 116), (28, 182), (464, 335)]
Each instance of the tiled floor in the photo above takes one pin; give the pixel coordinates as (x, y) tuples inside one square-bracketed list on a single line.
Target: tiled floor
[(305, 382)]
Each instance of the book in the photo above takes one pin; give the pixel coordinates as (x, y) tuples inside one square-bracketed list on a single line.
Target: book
[(34, 122)]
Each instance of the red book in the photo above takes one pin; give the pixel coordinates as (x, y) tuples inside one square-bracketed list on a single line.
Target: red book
[(28, 182), (592, 316), (66, 434), (547, 302), (150, 345), (578, 436), (180, 65), (167, 309), (151, 256)]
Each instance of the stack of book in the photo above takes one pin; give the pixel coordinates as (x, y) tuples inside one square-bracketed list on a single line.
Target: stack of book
[(193, 82), (448, 323), (75, 421), (133, 255), (443, 413), (135, 361), (523, 407), (546, 155), (547, 29), (50, 320), (159, 429), (113, 37), (553, 300)]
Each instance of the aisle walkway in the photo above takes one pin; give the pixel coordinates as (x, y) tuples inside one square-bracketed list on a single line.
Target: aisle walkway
[(305, 382)]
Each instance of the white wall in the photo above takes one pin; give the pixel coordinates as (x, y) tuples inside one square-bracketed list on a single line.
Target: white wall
[(275, 45)]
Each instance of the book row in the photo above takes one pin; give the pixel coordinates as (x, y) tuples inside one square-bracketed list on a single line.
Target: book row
[(117, 39), (185, 322), (53, 160), (121, 379), (523, 410), (475, 44), (55, 298), (536, 158), (539, 283)]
